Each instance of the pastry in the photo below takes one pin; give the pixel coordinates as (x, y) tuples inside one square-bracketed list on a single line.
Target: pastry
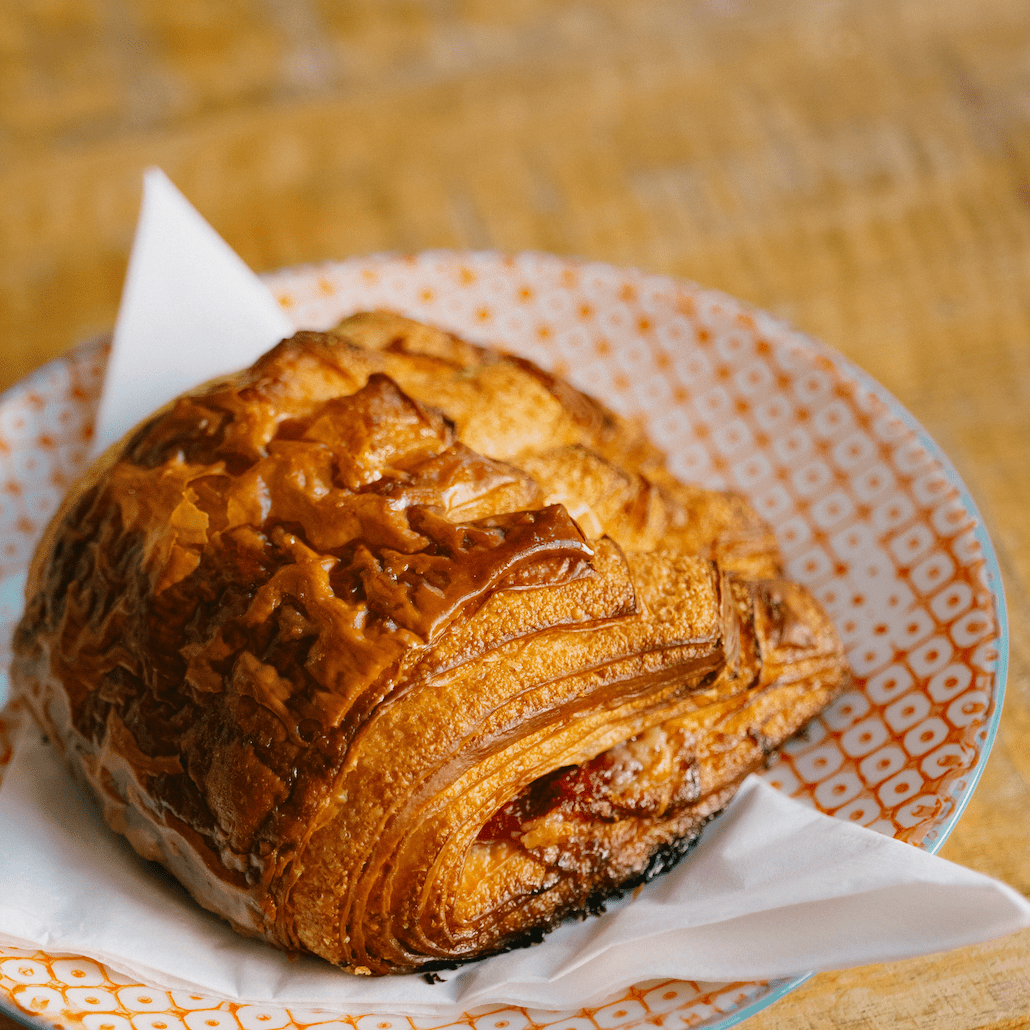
[(399, 650)]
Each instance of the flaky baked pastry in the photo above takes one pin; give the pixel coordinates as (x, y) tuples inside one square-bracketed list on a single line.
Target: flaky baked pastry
[(398, 650)]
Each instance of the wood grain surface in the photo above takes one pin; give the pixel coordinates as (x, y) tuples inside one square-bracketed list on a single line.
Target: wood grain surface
[(861, 167)]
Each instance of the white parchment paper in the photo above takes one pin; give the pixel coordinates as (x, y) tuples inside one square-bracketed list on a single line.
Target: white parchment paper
[(191, 310)]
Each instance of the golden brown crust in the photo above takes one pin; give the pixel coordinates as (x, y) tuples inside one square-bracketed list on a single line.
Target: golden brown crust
[(394, 648)]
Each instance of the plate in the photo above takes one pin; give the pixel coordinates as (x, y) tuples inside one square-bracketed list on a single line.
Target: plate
[(869, 512)]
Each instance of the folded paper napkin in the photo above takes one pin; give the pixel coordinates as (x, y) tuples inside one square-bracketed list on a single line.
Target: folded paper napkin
[(774, 889), (185, 287)]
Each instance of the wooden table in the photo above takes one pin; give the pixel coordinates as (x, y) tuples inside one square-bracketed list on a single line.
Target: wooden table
[(861, 167)]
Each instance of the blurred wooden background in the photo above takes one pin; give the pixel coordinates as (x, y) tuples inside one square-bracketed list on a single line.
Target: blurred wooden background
[(861, 167)]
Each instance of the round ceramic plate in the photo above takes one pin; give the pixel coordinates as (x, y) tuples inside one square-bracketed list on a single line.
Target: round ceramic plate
[(869, 513)]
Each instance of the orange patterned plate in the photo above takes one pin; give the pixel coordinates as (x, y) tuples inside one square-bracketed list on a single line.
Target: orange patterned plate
[(870, 515)]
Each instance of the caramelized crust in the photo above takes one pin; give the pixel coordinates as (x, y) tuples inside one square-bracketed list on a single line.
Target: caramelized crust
[(398, 650)]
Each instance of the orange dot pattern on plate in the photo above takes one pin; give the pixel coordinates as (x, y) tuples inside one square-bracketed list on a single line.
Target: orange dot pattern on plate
[(45, 987), (869, 515)]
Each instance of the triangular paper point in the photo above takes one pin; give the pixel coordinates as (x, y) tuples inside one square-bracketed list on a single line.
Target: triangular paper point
[(191, 310)]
